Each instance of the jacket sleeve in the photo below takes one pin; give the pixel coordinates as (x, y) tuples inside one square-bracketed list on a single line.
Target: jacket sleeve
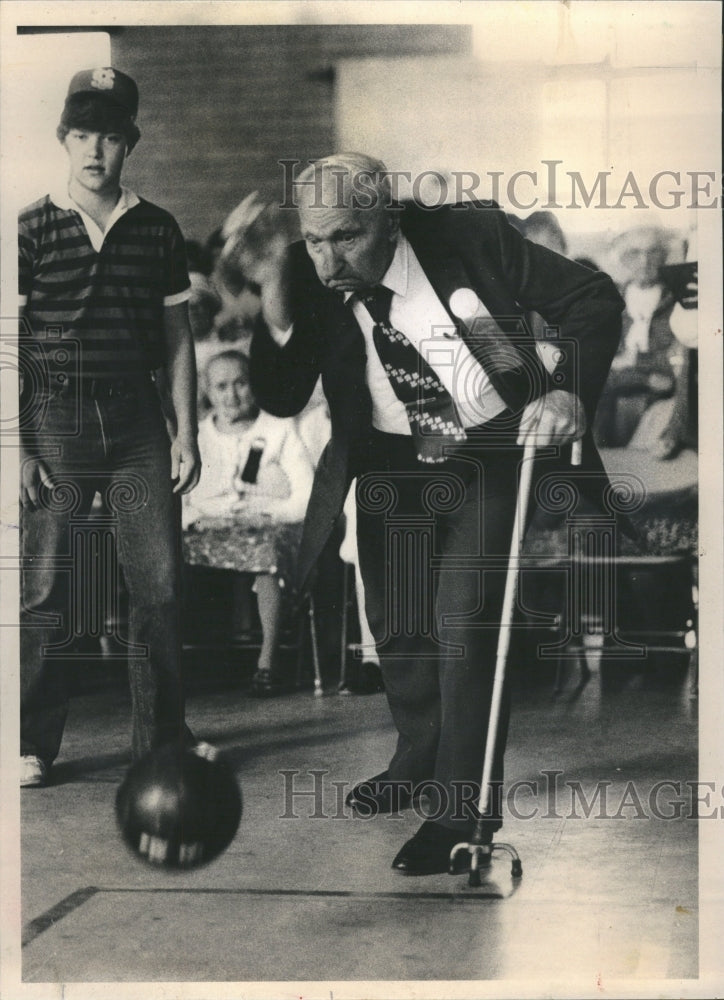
[(283, 378), (583, 305)]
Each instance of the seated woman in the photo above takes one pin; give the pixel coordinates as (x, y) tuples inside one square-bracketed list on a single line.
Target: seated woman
[(256, 469), (647, 366)]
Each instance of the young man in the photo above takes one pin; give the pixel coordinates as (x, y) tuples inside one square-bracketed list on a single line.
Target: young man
[(103, 292)]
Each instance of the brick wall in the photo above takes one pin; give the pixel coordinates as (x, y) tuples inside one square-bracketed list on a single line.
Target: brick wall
[(220, 105)]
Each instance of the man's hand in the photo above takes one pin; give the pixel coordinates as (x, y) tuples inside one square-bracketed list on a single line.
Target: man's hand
[(33, 472), (258, 237), (556, 418), (185, 464)]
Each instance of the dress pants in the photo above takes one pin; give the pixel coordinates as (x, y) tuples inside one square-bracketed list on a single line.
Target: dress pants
[(117, 443), (434, 542)]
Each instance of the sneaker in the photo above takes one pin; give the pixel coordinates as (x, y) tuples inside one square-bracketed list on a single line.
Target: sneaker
[(33, 772)]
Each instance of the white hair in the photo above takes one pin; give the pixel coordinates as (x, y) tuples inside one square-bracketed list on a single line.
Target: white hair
[(358, 180)]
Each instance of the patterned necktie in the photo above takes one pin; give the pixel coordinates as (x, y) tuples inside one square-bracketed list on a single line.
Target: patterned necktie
[(434, 421)]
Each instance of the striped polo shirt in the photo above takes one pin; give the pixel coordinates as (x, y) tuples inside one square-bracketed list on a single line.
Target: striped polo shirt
[(105, 290)]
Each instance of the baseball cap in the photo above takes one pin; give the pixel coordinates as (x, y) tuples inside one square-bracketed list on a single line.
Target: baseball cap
[(109, 83)]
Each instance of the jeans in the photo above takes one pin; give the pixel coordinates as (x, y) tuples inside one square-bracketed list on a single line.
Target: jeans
[(115, 443), (433, 547)]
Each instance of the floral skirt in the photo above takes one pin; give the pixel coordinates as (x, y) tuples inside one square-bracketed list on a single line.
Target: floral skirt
[(262, 546)]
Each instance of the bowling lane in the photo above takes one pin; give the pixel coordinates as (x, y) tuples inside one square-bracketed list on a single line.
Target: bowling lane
[(305, 890), (234, 936)]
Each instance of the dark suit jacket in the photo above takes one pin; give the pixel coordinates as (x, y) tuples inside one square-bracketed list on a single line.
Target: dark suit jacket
[(462, 246)]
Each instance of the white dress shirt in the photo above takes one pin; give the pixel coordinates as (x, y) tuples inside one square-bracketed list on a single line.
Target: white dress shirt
[(416, 311)]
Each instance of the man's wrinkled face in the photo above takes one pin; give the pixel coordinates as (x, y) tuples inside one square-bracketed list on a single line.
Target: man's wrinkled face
[(351, 248)]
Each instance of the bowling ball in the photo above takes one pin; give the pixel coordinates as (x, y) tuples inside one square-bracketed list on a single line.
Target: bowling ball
[(179, 808)]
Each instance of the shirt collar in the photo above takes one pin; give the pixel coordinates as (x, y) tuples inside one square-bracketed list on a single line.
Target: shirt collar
[(396, 276), (62, 199)]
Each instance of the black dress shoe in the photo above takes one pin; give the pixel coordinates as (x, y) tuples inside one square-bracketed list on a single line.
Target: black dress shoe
[(428, 852), (265, 685), (365, 679), (380, 795)]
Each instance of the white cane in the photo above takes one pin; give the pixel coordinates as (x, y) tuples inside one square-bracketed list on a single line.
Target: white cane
[(476, 847)]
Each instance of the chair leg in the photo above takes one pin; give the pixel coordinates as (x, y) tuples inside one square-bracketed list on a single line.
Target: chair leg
[(301, 637), (692, 637), (347, 573), (318, 688)]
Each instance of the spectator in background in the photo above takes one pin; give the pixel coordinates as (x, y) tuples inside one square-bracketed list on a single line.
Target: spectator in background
[(198, 258), (544, 229), (224, 306), (241, 306), (645, 368), (239, 317), (280, 493), (204, 306), (213, 247), (363, 674), (684, 315), (681, 420)]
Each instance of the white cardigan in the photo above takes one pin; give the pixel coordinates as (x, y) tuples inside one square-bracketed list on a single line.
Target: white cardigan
[(284, 458)]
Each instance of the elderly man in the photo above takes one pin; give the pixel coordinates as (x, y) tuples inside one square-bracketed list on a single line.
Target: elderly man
[(430, 401)]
